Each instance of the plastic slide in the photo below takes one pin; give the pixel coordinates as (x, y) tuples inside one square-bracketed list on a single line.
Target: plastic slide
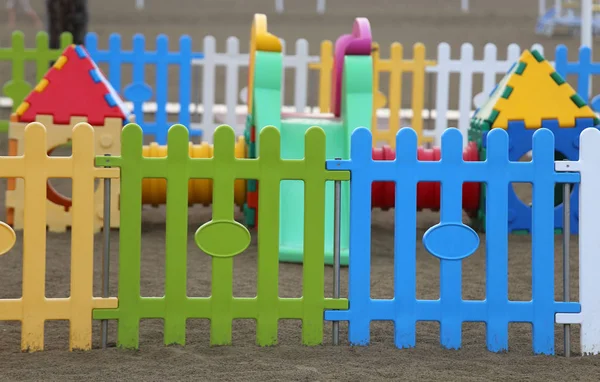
[(353, 73)]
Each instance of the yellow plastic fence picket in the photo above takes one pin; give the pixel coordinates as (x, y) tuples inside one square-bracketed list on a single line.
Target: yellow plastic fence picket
[(396, 66), (33, 308)]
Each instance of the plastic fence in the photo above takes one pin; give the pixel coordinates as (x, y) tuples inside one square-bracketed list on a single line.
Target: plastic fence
[(138, 91), (175, 307), (33, 308), (451, 240), (223, 238)]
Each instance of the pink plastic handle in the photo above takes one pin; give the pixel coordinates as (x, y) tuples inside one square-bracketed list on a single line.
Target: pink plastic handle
[(356, 44)]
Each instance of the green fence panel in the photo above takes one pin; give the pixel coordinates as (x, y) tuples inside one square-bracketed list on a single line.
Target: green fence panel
[(222, 238), (18, 88)]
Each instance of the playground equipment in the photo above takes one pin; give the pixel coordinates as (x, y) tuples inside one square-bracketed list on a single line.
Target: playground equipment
[(566, 16), (74, 90), (383, 194), (529, 97), (352, 107), (532, 78), (532, 95)]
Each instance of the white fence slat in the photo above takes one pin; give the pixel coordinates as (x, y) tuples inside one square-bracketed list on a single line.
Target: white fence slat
[(465, 95), (301, 84), (589, 242), (490, 56), (208, 87), (442, 88)]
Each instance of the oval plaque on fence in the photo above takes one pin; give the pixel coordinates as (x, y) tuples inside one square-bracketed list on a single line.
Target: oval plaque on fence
[(7, 238), (222, 238), (451, 241)]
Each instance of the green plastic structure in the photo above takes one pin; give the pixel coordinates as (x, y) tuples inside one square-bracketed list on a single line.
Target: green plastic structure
[(357, 101)]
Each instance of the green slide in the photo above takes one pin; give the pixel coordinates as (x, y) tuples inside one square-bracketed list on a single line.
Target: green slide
[(357, 102)]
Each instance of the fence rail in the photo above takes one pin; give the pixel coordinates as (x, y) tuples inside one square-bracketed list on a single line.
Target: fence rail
[(197, 83)]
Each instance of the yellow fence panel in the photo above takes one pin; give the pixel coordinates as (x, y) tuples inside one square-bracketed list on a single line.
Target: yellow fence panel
[(33, 308)]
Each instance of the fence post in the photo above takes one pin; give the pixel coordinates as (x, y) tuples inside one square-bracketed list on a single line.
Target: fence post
[(589, 242)]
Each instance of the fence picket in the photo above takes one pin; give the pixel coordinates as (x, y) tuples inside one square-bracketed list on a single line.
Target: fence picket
[(209, 63), (490, 57), (442, 96), (185, 83), (465, 96), (300, 60)]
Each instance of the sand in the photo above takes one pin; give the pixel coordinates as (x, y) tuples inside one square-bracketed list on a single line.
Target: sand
[(408, 21)]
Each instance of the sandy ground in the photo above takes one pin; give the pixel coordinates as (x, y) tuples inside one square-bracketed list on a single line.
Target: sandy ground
[(408, 21)]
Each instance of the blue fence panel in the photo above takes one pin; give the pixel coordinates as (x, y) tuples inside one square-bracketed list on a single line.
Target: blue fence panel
[(583, 68), (139, 91), (451, 240)]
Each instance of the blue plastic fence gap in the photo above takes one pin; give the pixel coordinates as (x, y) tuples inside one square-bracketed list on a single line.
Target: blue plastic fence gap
[(450, 309), (138, 91)]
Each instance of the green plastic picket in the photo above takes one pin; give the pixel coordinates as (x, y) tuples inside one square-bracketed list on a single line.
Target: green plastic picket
[(175, 307)]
